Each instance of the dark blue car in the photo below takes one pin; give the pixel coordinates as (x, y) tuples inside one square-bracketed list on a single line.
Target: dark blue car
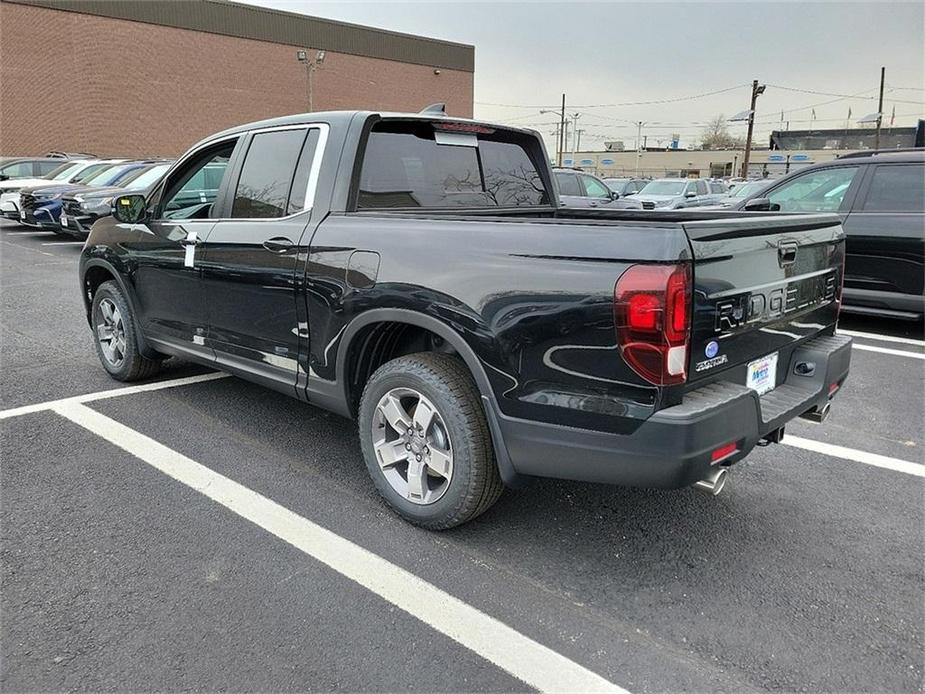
[(41, 206)]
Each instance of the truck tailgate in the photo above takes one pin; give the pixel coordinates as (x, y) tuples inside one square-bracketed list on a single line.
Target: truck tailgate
[(762, 283)]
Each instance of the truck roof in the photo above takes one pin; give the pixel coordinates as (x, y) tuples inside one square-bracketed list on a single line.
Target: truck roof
[(343, 118)]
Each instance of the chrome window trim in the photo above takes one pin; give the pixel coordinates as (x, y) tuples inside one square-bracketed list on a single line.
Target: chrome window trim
[(310, 188), (313, 174)]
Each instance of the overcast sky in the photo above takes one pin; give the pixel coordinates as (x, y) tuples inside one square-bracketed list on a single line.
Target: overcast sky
[(528, 53)]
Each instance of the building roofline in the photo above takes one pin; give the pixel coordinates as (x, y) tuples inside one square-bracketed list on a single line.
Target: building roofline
[(258, 23)]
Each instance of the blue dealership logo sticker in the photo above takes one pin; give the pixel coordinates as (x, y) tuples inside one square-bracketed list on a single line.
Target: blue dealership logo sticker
[(712, 349)]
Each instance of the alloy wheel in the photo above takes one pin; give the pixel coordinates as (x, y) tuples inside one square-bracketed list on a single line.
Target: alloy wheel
[(412, 446), (110, 331)]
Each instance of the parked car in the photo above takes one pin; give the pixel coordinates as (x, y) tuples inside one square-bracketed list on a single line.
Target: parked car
[(579, 189), (625, 186), (41, 206), (880, 197), (676, 193), (416, 272), (83, 206), (68, 172), (23, 167)]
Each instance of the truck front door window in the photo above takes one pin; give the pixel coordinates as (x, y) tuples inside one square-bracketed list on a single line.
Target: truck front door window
[(190, 192)]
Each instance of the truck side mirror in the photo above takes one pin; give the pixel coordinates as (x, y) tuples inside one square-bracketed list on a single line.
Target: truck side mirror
[(760, 205), (690, 194), (129, 209)]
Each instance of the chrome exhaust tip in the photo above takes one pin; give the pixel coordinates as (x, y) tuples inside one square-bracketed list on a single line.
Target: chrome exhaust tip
[(713, 483), (817, 416)]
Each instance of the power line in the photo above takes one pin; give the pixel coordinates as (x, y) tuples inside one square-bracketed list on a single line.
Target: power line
[(624, 103)]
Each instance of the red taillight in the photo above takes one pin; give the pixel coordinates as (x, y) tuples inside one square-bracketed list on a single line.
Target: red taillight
[(652, 317)]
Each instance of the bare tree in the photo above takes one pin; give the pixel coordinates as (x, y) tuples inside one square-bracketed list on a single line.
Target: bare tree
[(716, 135)]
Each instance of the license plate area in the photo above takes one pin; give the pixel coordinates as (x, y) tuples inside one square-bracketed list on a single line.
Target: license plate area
[(761, 375)]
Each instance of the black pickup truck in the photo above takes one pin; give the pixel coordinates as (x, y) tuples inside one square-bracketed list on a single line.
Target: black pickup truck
[(415, 272)]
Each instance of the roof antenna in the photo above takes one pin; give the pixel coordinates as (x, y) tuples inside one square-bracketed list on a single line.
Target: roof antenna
[(435, 109)]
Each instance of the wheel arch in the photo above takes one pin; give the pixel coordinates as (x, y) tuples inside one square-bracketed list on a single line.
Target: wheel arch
[(96, 271), (356, 328)]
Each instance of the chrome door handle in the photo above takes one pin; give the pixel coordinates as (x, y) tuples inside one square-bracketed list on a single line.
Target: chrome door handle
[(280, 244)]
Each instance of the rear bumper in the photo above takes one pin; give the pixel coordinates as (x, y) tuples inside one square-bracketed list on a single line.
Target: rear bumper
[(673, 447)]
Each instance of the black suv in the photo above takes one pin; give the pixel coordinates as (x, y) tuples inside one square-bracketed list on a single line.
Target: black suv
[(880, 197)]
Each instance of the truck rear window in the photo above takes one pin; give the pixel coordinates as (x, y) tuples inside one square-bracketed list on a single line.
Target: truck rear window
[(405, 166)]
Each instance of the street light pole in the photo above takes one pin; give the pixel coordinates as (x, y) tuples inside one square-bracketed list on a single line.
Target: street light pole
[(310, 67), (639, 125), (880, 109), (575, 135)]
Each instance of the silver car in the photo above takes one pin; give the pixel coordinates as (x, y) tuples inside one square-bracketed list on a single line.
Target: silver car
[(677, 193)]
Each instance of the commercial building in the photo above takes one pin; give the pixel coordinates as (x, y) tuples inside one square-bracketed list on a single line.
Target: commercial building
[(133, 77), (790, 150)]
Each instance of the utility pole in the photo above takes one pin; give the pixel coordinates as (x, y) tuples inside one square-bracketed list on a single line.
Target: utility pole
[(562, 130), (756, 91), (578, 138), (880, 108)]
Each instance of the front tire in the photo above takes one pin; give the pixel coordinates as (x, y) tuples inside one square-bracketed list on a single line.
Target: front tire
[(114, 335), (426, 442)]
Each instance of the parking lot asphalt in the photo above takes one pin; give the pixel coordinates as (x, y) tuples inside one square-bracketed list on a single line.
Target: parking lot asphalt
[(805, 574)]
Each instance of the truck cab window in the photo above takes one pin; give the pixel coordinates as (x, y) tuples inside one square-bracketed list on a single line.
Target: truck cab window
[(266, 177), (404, 167), (191, 190)]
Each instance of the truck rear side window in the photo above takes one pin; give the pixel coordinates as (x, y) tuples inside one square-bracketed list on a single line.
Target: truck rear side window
[(405, 167), (266, 176)]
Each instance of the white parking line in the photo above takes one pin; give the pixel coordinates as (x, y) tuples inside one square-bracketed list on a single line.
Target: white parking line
[(882, 338), (887, 350), (524, 658), (63, 243), (874, 459), (113, 393)]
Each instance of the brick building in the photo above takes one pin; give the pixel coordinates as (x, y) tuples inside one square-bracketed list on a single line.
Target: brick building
[(125, 77)]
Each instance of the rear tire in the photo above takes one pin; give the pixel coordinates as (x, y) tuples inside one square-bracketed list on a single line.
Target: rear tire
[(114, 335), (444, 473)]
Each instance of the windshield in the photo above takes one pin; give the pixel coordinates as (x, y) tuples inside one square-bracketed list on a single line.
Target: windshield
[(90, 172), (663, 188), (110, 176), (146, 178), (62, 171)]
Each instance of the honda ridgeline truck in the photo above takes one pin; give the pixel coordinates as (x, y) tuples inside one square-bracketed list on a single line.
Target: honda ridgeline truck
[(415, 272)]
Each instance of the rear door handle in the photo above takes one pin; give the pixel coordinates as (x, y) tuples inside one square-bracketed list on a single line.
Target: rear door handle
[(280, 244)]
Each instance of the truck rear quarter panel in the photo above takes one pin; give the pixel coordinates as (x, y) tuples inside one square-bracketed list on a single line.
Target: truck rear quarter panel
[(532, 298)]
